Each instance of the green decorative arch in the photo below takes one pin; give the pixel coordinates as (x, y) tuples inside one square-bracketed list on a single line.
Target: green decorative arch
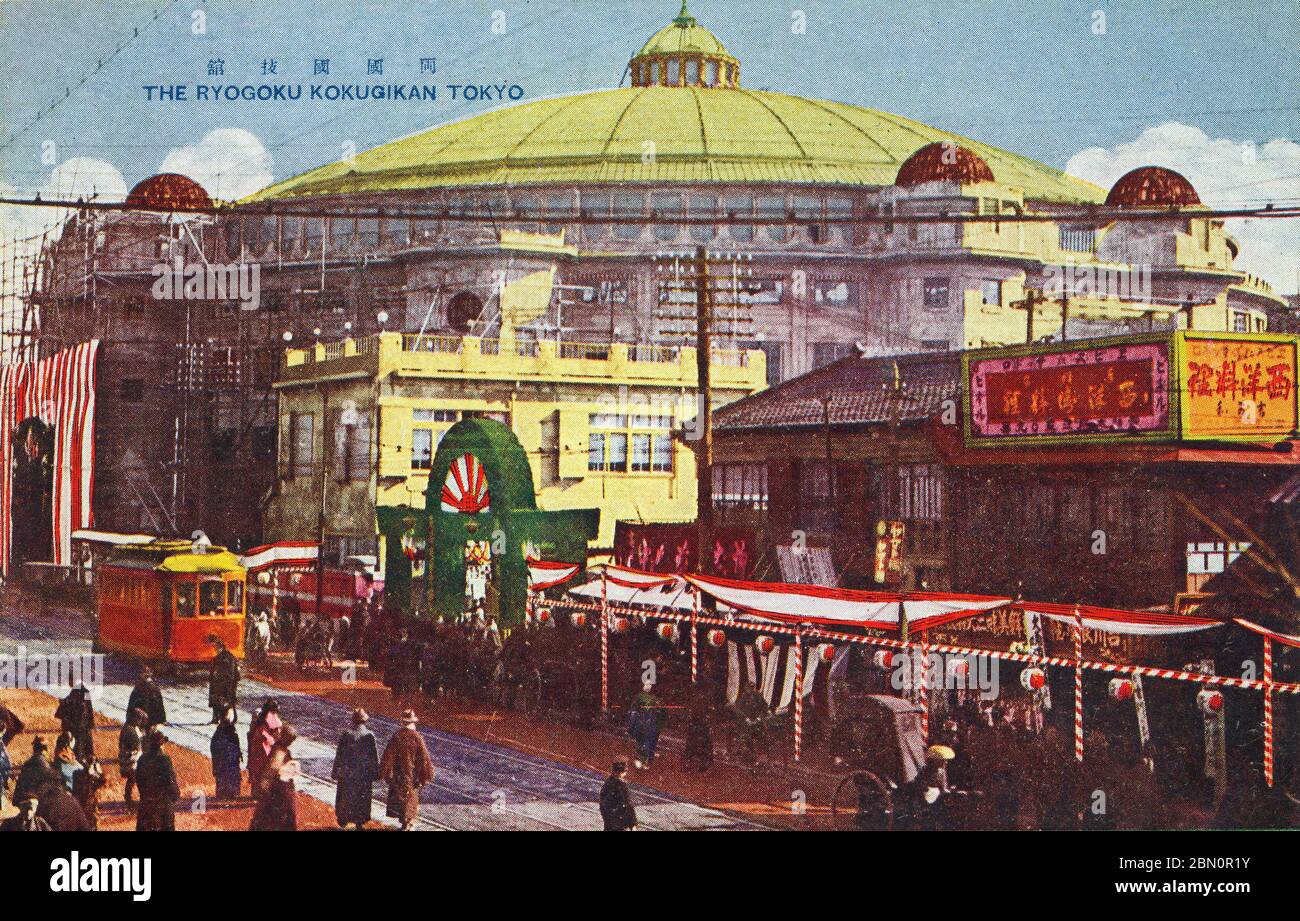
[(511, 521)]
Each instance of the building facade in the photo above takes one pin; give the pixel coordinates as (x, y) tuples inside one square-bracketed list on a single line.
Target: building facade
[(422, 235), (1033, 469), (360, 422)]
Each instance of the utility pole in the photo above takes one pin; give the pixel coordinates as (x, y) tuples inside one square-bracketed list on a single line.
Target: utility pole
[(1031, 298), (704, 387)]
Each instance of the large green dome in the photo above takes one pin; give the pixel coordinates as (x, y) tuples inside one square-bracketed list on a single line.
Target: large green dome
[(698, 135)]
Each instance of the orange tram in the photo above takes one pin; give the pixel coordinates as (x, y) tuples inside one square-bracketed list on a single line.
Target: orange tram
[(161, 601)]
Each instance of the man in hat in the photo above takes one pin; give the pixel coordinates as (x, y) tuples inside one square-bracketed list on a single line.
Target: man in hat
[(356, 767), (37, 772), (76, 717), (147, 697), (159, 790), (616, 809), (406, 767), (924, 799), (223, 680), (26, 819), (130, 745)]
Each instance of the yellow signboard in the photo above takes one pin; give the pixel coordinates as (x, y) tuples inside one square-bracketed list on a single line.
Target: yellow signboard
[(1238, 388)]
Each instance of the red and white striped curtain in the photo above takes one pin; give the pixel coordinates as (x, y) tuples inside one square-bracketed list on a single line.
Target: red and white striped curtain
[(60, 391)]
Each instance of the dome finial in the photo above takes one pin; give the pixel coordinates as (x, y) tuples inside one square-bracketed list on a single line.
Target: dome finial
[(684, 18)]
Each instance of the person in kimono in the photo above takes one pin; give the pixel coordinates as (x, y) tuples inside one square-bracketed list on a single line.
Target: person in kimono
[(130, 745), (356, 768), (76, 718), (147, 697), (37, 773), (155, 777), (262, 734), (616, 810), (406, 767), (226, 757), (277, 799), (65, 759), (643, 724), (10, 726), (223, 679)]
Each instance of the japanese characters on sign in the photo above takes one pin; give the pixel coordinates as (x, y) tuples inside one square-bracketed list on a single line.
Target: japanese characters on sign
[(889, 553), (1113, 389), (1238, 388)]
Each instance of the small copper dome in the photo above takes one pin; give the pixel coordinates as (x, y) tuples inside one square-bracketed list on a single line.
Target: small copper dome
[(943, 161), (168, 192), (1152, 187)]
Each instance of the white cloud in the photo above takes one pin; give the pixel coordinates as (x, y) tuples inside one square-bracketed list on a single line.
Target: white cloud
[(228, 162), (79, 177), (1226, 173)]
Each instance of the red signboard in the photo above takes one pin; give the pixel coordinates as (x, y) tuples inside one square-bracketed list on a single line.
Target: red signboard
[(1103, 390)]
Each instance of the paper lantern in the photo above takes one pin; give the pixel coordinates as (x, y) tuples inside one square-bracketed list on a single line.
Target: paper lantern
[(1121, 689), (716, 638), (1211, 701), (543, 615), (826, 652), (883, 659), (1033, 679), (578, 619), (764, 644), (958, 667), (666, 631), (619, 624)]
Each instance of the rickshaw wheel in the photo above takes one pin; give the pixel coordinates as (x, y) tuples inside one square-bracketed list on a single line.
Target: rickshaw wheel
[(862, 802)]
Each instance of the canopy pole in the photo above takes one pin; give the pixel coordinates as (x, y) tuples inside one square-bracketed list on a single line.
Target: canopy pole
[(604, 642), (1268, 710), (922, 690), (695, 638), (798, 695), (1078, 685)]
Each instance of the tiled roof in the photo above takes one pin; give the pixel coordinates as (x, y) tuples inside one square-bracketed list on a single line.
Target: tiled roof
[(855, 391)]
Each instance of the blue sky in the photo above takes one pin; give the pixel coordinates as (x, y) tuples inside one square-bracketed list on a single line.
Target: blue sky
[(1035, 78)]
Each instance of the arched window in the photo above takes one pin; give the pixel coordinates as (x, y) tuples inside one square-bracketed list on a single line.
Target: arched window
[(463, 310)]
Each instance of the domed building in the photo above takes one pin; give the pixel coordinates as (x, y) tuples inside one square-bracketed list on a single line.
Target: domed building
[(585, 198)]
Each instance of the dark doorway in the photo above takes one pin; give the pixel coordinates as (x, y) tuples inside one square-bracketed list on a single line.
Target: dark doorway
[(33, 492)]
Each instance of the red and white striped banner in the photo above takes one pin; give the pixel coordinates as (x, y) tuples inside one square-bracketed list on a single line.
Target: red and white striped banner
[(60, 391), (634, 578), (1110, 620), (818, 604), (544, 574), (284, 553)]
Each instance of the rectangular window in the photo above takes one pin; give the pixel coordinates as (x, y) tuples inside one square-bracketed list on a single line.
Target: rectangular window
[(920, 492), (647, 437), (596, 451), (628, 206), (421, 449), (301, 442), (351, 446), (662, 458), (991, 292), (934, 295), (740, 206), (640, 453), (1240, 323), (740, 486)]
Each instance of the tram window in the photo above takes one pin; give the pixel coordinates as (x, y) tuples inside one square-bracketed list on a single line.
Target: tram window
[(235, 597), (165, 598), (212, 598), (184, 599)]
